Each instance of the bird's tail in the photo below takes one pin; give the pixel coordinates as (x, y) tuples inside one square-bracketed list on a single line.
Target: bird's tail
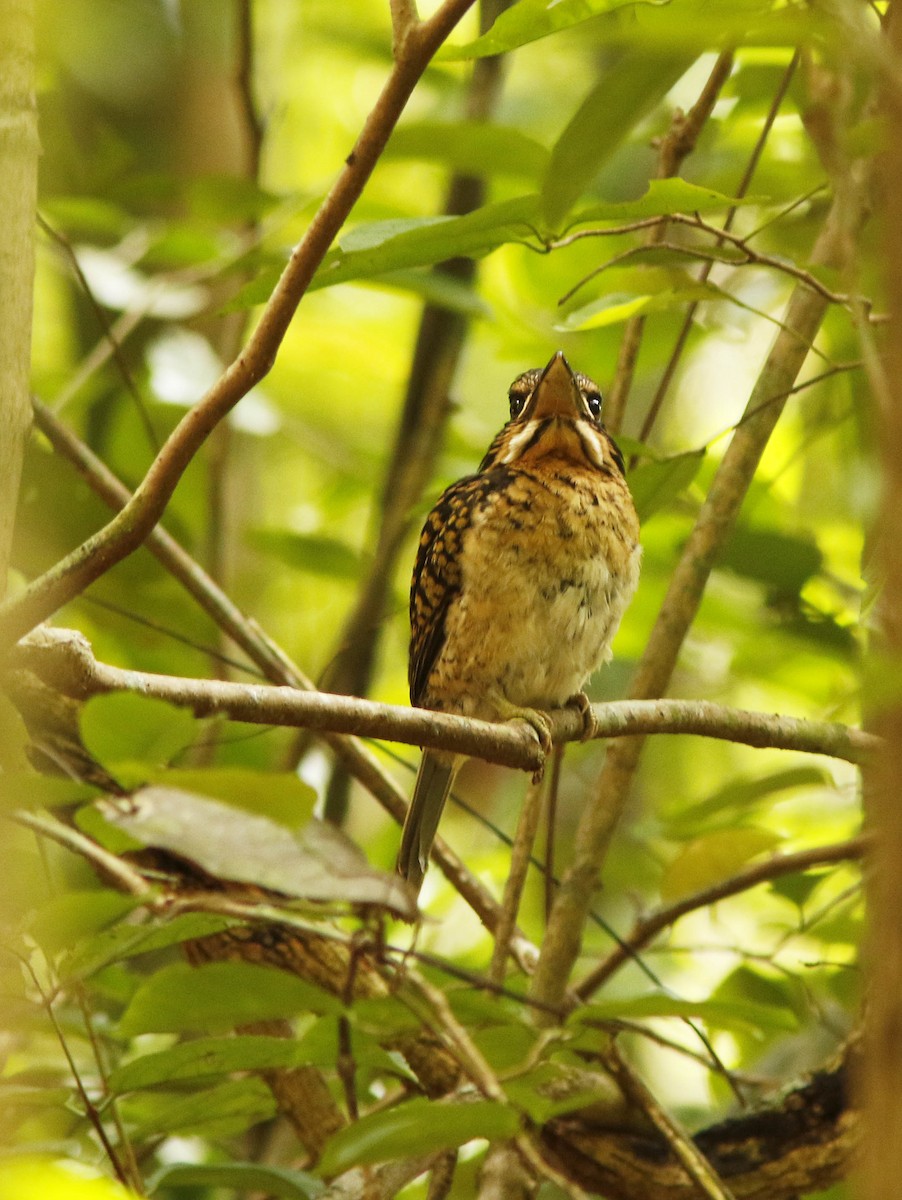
[(434, 779)]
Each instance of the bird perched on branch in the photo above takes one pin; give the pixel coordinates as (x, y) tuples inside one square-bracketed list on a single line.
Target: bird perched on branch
[(522, 575)]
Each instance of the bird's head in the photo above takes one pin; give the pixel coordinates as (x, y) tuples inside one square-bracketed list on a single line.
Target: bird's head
[(554, 411)]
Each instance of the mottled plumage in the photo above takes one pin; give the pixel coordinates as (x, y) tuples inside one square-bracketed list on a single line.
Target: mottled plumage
[(523, 572)]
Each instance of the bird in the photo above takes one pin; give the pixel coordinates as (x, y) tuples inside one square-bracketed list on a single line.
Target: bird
[(523, 572)]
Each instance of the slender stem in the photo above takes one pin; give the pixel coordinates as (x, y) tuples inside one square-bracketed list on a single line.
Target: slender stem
[(521, 854), (648, 927)]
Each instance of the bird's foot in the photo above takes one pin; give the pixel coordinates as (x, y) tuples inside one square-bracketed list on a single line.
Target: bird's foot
[(538, 720), (580, 701)]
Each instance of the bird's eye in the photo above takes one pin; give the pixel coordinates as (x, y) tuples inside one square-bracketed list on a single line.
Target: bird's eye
[(517, 400), (593, 402)]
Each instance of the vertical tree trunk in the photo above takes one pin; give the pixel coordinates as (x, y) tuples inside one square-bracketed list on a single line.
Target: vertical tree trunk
[(881, 1161), (18, 197)]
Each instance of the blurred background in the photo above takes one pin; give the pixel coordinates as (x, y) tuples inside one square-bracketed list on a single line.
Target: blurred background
[(186, 146)]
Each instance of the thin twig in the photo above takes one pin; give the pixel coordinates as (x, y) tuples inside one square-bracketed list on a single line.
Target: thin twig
[(521, 852), (694, 221), (776, 867), (130, 528), (92, 1113), (100, 316), (115, 869), (694, 1162), (471, 1059)]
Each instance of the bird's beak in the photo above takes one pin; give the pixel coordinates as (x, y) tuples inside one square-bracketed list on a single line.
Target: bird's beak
[(557, 392)]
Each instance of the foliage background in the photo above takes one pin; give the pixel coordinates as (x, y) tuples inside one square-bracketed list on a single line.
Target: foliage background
[(179, 206)]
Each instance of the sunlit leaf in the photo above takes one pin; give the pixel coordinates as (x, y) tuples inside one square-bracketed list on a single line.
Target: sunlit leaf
[(382, 246), (281, 796), (613, 309), (530, 20), (217, 997), (739, 797), (771, 992), (714, 857), (315, 862), (416, 1127), (723, 1013), (661, 198)]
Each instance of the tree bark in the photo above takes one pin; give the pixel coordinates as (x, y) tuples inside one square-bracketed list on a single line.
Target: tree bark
[(881, 1159), (18, 200)]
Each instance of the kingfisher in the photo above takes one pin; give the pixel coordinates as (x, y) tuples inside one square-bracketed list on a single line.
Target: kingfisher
[(523, 573)]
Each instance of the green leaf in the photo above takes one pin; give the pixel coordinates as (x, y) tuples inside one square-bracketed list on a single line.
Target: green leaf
[(626, 94), (313, 552), (229, 199), (67, 918), (528, 21), (739, 797), (86, 217), (320, 1046), (655, 485), (27, 789), (243, 1178), (614, 309), (281, 796), (129, 941), (382, 246), (724, 1013), (552, 1089), (662, 197), (772, 994), (217, 997), (316, 862), (713, 857), (438, 288), (783, 561), (214, 1112), (205, 1057), (798, 888), (416, 1127), (472, 147), (124, 727)]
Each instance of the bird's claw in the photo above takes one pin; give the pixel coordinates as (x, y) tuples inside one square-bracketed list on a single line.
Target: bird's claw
[(580, 701)]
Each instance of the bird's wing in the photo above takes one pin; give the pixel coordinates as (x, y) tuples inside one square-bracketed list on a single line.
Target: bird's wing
[(437, 575)]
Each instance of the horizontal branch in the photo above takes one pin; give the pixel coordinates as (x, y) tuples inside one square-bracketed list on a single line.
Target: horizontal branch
[(64, 659)]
